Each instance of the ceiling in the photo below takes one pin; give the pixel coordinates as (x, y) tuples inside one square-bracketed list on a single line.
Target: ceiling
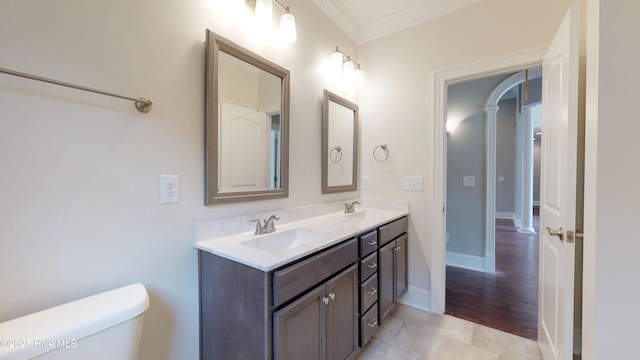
[(365, 20)]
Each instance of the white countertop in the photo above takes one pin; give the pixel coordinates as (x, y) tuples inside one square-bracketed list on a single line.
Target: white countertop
[(332, 229)]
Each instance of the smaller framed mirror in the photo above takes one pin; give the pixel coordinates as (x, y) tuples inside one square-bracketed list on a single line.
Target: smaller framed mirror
[(339, 144)]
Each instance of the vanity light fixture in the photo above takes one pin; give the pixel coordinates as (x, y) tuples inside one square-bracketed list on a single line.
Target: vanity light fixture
[(264, 16), (342, 63), (287, 26), (264, 13)]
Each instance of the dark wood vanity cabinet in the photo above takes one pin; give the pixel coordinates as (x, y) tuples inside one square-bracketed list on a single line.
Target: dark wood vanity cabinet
[(392, 262), (325, 306)]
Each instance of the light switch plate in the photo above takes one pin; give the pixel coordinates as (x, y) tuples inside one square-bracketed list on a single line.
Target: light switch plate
[(366, 183), (414, 183)]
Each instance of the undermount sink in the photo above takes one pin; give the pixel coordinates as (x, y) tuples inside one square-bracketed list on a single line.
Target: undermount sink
[(285, 240), (364, 214)]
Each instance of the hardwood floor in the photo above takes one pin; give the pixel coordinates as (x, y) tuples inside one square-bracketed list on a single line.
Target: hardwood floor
[(508, 299)]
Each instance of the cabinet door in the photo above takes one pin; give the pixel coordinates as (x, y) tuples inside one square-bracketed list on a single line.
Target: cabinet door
[(401, 266), (299, 328), (342, 315), (386, 276)]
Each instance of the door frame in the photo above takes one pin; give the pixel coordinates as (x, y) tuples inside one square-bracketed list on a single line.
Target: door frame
[(442, 79)]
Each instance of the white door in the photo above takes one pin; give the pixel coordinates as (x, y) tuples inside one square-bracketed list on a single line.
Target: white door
[(244, 148), (558, 191)]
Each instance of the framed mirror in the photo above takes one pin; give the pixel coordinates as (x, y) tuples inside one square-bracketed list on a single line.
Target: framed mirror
[(247, 125), (339, 144)]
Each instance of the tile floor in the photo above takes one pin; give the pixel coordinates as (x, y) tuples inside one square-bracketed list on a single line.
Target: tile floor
[(412, 334)]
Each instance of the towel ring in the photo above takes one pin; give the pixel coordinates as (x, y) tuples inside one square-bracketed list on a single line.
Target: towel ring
[(386, 152), (338, 156)]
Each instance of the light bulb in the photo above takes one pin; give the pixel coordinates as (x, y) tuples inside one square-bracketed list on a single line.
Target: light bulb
[(336, 62), (348, 69), (358, 77), (264, 12), (288, 28)]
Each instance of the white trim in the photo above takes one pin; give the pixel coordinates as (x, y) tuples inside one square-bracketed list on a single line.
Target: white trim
[(418, 298), (531, 230), (490, 264), (470, 262), (413, 15), (505, 215), (491, 108), (339, 14), (442, 79)]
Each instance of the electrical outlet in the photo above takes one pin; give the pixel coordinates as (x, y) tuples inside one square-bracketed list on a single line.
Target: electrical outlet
[(169, 189), (413, 183)]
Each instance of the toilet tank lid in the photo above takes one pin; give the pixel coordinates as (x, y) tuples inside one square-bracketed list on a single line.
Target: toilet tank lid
[(77, 319)]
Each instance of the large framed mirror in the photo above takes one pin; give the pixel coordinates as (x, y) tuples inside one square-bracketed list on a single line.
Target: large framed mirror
[(247, 125), (339, 144)]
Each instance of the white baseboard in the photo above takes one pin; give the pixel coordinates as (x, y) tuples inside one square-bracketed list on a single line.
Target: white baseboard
[(517, 222), (505, 215), (417, 298), (526, 230), (490, 264), (470, 262)]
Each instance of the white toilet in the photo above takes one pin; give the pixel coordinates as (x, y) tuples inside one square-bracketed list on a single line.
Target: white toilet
[(106, 326)]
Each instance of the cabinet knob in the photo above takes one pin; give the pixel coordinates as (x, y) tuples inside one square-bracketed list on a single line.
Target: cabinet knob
[(397, 248), (325, 300), (372, 265), (372, 291), (372, 242), (374, 323), (332, 296)]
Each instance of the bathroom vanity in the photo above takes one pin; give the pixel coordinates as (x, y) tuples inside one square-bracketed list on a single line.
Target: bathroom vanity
[(258, 301)]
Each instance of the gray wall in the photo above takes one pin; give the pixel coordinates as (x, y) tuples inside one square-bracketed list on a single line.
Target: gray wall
[(506, 155), (465, 157)]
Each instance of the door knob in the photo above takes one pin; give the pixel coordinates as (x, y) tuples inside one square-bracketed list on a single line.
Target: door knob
[(559, 233)]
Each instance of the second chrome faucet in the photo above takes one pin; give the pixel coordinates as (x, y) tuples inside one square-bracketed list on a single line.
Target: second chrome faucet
[(267, 227), (350, 207)]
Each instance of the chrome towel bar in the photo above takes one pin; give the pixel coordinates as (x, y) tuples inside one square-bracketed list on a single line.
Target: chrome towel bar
[(142, 105)]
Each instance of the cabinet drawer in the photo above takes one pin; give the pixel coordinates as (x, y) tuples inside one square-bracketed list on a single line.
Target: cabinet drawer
[(368, 293), (392, 230), (368, 243), (368, 325), (368, 266), (295, 279)]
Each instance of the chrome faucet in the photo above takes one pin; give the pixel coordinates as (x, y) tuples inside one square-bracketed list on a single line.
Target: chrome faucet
[(349, 208), (268, 225)]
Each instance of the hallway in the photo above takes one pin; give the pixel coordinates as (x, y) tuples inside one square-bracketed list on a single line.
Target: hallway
[(508, 299)]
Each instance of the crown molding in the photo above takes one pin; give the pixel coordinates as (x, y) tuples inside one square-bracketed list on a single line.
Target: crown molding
[(425, 11), (341, 16)]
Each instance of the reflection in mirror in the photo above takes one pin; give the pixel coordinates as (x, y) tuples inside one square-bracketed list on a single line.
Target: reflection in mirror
[(339, 144), (246, 123)]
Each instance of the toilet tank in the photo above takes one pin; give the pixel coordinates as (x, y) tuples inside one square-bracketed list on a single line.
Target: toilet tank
[(106, 326)]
